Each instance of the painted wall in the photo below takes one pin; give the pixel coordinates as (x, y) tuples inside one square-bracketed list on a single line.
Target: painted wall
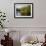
[(38, 23), (39, 14)]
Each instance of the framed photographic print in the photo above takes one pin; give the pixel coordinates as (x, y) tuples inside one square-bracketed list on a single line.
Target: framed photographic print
[(23, 10)]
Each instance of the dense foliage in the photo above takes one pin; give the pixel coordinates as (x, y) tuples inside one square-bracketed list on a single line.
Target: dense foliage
[(2, 18)]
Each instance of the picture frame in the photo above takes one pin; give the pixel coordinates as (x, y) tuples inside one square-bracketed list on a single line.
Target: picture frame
[(23, 10)]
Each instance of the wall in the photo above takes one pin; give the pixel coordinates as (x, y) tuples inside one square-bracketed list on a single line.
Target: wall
[(39, 13), (38, 23)]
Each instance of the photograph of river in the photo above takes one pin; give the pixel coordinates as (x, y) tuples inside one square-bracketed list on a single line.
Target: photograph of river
[(23, 10)]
